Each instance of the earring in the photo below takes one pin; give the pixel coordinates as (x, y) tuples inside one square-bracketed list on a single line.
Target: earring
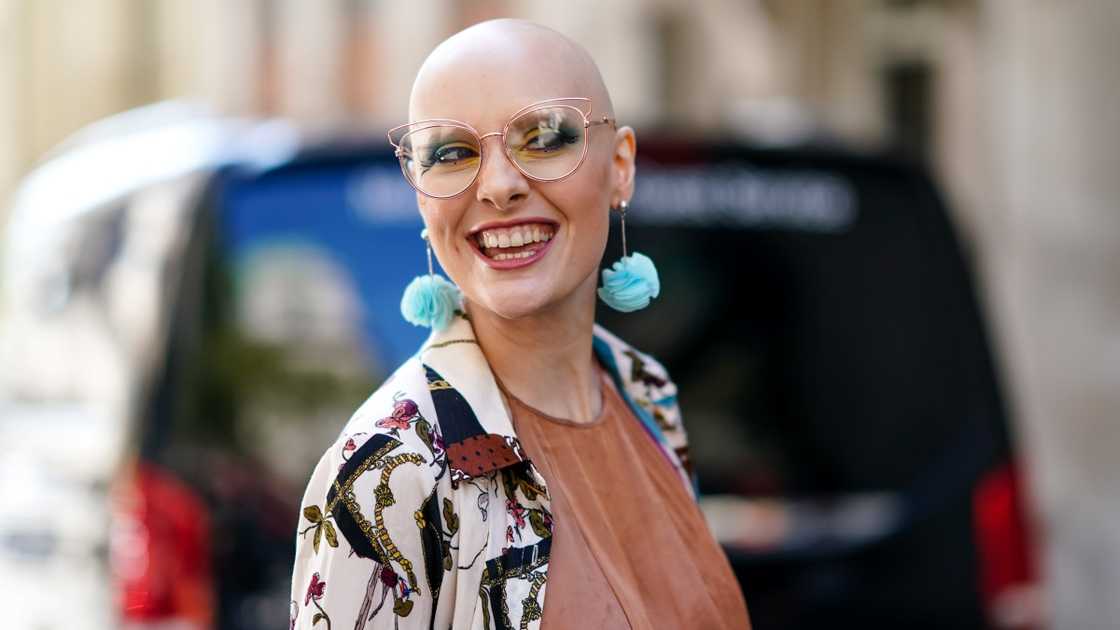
[(632, 281), (430, 300)]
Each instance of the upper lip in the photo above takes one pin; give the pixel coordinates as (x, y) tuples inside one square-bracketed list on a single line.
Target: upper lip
[(491, 225)]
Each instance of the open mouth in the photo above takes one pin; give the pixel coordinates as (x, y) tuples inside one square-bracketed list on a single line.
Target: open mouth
[(514, 243)]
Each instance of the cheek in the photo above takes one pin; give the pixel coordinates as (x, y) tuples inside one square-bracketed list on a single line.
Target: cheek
[(589, 228), (590, 206), (442, 221)]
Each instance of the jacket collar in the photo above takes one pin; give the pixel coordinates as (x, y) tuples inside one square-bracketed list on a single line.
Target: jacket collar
[(476, 424)]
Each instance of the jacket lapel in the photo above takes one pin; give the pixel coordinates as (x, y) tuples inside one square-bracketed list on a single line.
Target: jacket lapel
[(476, 425)]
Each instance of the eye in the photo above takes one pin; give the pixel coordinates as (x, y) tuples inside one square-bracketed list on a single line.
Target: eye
[(546, 139), (450, 154)]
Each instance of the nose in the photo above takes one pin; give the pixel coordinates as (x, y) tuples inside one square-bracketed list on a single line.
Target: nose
[(500, 183)]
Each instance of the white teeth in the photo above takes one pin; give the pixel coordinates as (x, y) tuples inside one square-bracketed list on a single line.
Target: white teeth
[(517, 236), (512, 256)]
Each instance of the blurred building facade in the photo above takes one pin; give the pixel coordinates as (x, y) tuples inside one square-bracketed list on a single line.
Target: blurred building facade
[(864, 71), (1014, 103)]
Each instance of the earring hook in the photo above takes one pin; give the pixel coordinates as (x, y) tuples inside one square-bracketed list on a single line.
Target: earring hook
[(428, 246)]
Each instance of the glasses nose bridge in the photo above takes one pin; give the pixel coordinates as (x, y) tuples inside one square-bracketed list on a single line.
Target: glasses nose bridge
[(501, 135), (501, 140)]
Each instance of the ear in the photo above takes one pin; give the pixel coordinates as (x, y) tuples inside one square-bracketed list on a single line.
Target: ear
[(622, 165)]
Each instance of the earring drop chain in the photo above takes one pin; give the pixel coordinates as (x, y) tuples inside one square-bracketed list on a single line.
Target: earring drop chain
[(622, 206), (428, 248)]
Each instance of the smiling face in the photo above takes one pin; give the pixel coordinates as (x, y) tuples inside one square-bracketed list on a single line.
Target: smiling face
[(516, 246)]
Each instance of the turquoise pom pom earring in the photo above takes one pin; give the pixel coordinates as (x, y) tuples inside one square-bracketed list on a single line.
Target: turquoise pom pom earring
[(632, 280), (430, 300)]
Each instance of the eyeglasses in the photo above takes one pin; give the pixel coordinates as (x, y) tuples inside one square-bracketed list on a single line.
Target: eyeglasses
[(546, 141)]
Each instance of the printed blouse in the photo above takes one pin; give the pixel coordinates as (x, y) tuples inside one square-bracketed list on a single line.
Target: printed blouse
[(426, 513)]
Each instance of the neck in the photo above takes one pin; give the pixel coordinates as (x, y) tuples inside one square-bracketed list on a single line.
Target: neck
[(545, 359)]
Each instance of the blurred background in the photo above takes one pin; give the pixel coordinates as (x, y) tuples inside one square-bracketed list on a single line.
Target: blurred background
[(901, 383)]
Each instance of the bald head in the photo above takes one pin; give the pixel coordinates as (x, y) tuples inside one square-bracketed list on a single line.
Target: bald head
[(492, 69)]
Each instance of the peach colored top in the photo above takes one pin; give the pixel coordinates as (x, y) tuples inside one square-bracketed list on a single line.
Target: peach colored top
[(630, 548)]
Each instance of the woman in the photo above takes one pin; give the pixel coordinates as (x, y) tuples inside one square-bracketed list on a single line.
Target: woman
[(523, 447)]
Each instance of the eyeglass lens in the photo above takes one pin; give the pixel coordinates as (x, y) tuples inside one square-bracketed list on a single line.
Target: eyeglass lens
[(442, 160)]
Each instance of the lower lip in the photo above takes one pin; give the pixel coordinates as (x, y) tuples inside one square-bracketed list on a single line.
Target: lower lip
[(514, 263)]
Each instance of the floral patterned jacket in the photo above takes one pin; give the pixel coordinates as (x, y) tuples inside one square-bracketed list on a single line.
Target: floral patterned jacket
[(425, 513)]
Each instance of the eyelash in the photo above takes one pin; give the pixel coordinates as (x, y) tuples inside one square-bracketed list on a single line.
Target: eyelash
[(565, 136), (434, 156)]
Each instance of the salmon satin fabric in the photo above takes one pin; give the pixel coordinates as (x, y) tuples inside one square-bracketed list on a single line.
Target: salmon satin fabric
[(630, 547)]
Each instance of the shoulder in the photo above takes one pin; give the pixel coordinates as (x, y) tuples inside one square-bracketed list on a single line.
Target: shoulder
[(628, 355), (394, 432), (400, 409), (646, 380), (390, 453)]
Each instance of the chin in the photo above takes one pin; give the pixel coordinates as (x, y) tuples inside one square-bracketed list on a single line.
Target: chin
[(526, 297), (514, 306)]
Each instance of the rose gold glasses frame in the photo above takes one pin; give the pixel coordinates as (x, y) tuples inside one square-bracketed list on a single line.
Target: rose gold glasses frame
[(420, 125)]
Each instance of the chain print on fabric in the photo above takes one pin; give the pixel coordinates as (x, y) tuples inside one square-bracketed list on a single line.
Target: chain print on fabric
[(531, 609), (402, 589), (520, 572), (319, 518), (502, 574), (345, 494), (383, 496), (484, 597), (439, 384), (432, 530), (404, 415)]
